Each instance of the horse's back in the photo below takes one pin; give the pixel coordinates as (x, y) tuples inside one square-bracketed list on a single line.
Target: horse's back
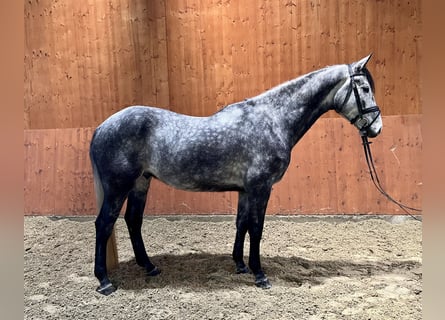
[(147, 139)]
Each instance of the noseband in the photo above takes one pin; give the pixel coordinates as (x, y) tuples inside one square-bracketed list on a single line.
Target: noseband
[(361, 122)]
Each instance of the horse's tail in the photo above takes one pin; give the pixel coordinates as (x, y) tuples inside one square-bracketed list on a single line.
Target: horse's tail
[(98, 188)]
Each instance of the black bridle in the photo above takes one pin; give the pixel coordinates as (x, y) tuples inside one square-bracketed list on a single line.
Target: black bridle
[(363, 125), (359, 121)]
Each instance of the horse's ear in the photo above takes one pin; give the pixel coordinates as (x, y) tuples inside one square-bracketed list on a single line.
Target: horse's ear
[(359, 65)]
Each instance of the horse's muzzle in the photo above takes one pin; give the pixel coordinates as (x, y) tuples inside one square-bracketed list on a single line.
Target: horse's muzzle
[(371, 133)]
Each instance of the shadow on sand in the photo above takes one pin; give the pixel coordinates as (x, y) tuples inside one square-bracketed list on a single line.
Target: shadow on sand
[(206, 271)]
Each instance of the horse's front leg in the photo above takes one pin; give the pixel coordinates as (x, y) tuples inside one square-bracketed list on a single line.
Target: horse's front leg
[(251, 218), (242, 219), (258, 204)]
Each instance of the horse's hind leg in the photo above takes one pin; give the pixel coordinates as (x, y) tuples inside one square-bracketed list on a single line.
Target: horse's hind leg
[(133, 217), (108, 215), (242, 219)]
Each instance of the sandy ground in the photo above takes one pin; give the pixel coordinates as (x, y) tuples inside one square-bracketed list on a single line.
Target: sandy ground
[(319, 268)]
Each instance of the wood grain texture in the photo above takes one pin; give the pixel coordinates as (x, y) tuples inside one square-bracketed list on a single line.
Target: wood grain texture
[(84, 60), (327, 174), (39, 177)]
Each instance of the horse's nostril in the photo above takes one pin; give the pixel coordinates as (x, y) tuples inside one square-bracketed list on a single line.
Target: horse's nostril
[(373, 134)]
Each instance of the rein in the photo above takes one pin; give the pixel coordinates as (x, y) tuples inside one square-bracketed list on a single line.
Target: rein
[(375, 178)]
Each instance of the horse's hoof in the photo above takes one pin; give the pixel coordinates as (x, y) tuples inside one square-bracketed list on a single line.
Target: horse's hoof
[(153, 272), (106, 290), (263, 283), (242, 270)]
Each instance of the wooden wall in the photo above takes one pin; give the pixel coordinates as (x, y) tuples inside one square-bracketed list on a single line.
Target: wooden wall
[(85, 60), (327, 174)]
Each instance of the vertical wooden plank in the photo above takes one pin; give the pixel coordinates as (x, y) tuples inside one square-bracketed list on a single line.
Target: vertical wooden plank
[(85, 200), (303, 174), (39, 189), (340, 159), (74, 180), (279, 202), (327, 160), (353, 166), (380, 147), (84, 197), (223, 34), (310, 173), (38, 61), (64, 161), (158, 199)]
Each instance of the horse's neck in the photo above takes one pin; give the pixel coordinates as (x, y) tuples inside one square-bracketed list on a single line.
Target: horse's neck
[(298, 103)]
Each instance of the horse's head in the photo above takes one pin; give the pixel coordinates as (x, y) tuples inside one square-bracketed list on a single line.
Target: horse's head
[(355, 100)]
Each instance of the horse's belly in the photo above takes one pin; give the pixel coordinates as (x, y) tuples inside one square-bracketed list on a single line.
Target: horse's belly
[(195, 178), (197, 184)]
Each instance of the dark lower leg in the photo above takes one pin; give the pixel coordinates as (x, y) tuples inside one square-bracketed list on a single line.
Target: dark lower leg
[(238, 252), (137, 242), (241, 230), (133, 218), (104, 227), (257, 209), (254, 258)]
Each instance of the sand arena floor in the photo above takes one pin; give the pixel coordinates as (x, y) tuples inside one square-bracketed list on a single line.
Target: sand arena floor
[(320, 268)]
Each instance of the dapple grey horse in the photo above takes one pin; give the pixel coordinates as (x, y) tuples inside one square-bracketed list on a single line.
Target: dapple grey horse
[(245, 147)]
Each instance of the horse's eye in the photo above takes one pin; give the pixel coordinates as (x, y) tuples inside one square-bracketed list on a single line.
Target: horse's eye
[(365, 89)]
